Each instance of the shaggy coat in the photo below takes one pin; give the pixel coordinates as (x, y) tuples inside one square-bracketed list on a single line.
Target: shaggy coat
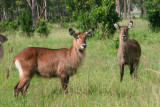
[(129, 50)]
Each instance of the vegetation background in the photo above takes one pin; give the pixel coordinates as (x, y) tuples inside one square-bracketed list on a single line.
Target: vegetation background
[(45, 23)]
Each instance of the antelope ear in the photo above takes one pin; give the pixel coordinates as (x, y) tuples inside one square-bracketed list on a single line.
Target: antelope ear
[(117, 26), (90, 32), (130, 24), (72, 33)]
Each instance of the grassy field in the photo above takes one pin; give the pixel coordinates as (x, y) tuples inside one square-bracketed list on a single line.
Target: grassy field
[(97, 82)]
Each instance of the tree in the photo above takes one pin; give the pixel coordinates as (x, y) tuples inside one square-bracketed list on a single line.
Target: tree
[(45, 13), (98, 14), (152, 9), (129, 8), (141, 8), (26, 22), (32, 7), (139, 5), (118, 7), (125, 7)]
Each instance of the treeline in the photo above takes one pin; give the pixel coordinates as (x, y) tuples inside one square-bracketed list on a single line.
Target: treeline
[(46, 9), (124, 7), (33, 15)]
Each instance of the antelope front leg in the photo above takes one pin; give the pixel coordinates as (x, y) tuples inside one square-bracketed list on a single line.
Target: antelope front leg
[(64, 81), (132, 71), (121, 71)]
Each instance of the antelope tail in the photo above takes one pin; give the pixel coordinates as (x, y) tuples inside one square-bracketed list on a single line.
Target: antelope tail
[(9, 69)]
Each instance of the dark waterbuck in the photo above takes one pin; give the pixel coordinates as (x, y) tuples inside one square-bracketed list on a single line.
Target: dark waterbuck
[(129, 50), (2, 40)]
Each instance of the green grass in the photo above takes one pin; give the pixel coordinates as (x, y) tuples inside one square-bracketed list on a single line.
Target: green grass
[(97, 82)]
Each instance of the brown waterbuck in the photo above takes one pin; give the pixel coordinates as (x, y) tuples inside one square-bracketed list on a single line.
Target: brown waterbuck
[(44, 62), (2, 40), (129, 50)]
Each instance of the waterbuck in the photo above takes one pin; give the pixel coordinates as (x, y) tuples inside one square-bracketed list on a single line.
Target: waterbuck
[(44, 62), (2, 40), (129, 51)]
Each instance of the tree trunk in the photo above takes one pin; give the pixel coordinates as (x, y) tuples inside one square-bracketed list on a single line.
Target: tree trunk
[(45, 12), (33, 13), (142, 11), (125, 9), (42, 13), (60, 13), (129, 6), (37, 11), (0, 18), (61, 22), (118, 7), (4, 12), (17, 15)]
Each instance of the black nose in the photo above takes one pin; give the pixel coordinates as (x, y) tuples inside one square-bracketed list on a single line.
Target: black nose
[(84, 45), (123, 36)]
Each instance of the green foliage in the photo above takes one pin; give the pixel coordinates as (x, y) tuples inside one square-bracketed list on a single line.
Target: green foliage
[(99, 14), (153, 14), (6, 25), (54, 19), (116, 42), (133, 17), (26, 22), (13, 25), (42, 28), (66, 19)]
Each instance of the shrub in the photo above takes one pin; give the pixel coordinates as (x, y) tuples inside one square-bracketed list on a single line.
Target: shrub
[(4, 25), (98, 14), (13, 25), (42, 28), (26, 22), (133, 17), (116, 43), (66, 19), (54, 19), (8, 25), (153, 14)]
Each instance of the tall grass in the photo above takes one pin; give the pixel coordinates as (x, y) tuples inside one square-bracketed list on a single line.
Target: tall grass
[(97, 82)]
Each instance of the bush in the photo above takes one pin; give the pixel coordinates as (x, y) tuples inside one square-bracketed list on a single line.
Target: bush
[(13, 25), (42, 28), (66, 19), (6, 25), (98, 14), (54, 19), (116, 43), (133, 17), (152, 9), (26, 22)]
